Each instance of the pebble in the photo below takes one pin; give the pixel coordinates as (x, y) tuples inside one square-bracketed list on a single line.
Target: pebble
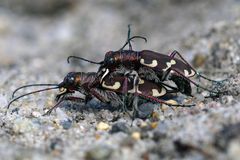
[(101, 126), (66, 124), (101, 152), (154, 125), (158, 135), (161, 117), (36, 114), (120, 127), (97, 136), (145, 110), (155, 116), (56, 145), (136, 135)]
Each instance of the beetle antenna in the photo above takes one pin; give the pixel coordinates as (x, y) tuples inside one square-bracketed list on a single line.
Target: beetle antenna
[(139, 37), (37, 91), (76, 57), (31, 85), (129, 31), (130, 39)]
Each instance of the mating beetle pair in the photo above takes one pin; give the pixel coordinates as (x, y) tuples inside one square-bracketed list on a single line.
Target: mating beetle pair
[(152, 66), (140, 73)]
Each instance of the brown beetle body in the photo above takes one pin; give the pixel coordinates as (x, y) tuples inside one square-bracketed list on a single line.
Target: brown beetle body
[(146, 58), (87, 82), (163, 66)]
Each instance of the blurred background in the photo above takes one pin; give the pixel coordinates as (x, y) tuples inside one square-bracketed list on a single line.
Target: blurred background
[(40, 33)]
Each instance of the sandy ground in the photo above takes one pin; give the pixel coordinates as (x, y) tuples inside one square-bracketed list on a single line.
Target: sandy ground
[(35, 41)]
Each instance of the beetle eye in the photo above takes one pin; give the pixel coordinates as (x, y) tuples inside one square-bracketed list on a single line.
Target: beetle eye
[(71, 80), (111, 60)]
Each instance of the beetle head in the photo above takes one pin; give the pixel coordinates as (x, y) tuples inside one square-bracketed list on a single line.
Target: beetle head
[(70, 83), (111, 58)]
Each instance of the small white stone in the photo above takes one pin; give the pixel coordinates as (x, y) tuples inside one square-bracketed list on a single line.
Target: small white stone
[(36, 114), (136, 135), (103, 126)]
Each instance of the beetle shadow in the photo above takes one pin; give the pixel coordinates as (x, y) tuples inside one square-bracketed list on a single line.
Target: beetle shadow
[(91, 106)]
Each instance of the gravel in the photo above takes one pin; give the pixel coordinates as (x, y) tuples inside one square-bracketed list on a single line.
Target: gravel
[(35, 42)]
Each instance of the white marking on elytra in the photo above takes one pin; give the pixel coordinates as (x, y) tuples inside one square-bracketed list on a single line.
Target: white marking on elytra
[(141, 81), (116, 85), (169, 64), (104, 75), (187, 74), (156, 93), (153, 64), (136, 87)]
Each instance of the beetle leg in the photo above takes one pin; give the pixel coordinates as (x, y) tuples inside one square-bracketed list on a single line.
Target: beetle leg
[(135, 106), (99, 77), (166, 74), (71, 98), (154, 99), (174, 53), (52, 108), (120, 70), (197, 85), (125, 89), (132, 76), (183, 85), (75, 99), (148, 74), (107, 97)]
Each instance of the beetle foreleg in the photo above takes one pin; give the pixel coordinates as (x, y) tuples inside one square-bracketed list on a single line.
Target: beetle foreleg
[(71, 98), (107, 97), (54, 107)]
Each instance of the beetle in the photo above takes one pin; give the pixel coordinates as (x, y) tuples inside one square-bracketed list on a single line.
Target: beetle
[(162, 67), (107, 90)]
